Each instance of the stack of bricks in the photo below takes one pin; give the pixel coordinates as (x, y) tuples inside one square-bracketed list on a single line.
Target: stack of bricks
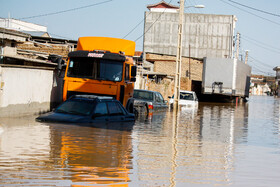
[(62, 50)]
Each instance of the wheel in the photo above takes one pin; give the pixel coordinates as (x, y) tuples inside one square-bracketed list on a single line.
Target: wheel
[(130, 106), (146, 110)]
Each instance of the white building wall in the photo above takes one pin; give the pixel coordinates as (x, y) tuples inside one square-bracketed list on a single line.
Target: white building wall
[(26, 91), (208, 35), (18, 25)]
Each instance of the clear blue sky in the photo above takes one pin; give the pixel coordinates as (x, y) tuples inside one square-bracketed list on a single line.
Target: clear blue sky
[(116, 18)]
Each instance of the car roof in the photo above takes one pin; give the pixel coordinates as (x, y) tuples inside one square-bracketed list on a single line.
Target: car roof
[(186, 91), (91, 97), (146, 90)]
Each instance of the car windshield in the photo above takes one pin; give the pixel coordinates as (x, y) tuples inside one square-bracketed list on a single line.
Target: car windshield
[(186, 96), (77, 107), (98, 69), (143, 95)]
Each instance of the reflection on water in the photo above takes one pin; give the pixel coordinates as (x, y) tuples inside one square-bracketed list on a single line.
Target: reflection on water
[(33, 153), (214, 144)]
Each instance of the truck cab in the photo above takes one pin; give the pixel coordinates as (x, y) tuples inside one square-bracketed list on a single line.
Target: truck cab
[(101, 66)]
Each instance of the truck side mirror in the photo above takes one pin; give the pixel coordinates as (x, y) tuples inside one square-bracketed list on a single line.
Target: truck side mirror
[(133, 71), (60, 64)]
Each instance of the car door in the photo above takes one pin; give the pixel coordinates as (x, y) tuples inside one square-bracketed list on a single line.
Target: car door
[(159, 101), (162, 102), (100, 115), (116, 114), (156, 102)]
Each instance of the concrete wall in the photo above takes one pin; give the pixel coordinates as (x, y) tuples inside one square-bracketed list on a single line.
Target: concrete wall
[(21, 25), (208, 35), (26, 91)]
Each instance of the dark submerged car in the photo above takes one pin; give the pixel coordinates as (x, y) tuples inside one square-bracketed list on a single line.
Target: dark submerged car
[(146, 101), (88, 110)]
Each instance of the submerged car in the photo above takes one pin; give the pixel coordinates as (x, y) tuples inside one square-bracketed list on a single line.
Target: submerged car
[(187, 99), (147, 101), (88, 109)]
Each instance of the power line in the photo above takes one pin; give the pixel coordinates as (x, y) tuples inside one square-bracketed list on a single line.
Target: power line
[(40, 30), (152, 23), (261, 46), (260, 69), (270, 46), (63, 11), (133, 29), (251, 13), (269, 13), (263, 72), (264, 64)]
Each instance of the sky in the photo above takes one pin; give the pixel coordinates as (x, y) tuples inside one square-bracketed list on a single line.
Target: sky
[(258, 22)]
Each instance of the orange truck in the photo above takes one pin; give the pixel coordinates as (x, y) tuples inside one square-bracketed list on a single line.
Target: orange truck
[(101, 66)]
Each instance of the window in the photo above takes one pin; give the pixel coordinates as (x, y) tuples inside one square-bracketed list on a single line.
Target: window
[(143, 95), (186, 96), (92, 68), (101, 109), (114, 109), (75, 106), (160, 98), (126, 77)]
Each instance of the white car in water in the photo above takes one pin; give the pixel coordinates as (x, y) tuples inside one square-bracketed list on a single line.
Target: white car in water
[(187, 99)]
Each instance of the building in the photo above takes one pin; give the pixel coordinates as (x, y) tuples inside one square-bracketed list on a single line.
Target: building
[(262, 85), (29, 81), (205, 37), (25, 27), (277, 81)]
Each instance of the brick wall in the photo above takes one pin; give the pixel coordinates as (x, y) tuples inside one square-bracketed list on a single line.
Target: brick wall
[(62, 50), (167, 64)]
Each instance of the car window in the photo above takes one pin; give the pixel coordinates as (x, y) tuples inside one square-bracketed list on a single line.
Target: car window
[(143, 95), (186, 96), (114, 109), (157, 98), (101, 109), (160, 98), (76, 106)]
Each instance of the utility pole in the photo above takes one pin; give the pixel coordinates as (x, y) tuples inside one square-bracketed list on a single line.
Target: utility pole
[(237, 45), (178, 58), (246, 56)]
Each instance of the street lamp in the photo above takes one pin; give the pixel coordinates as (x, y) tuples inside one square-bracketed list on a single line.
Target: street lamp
[(196, 6), (179, 54)]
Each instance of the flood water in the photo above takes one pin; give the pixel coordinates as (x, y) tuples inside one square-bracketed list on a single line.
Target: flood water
[(213, 145)]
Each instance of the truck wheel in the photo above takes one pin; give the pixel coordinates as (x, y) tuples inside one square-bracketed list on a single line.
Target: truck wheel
[(130, 106)]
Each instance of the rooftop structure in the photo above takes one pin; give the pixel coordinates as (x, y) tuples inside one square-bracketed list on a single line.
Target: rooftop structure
[(162, 7), (22, 26)]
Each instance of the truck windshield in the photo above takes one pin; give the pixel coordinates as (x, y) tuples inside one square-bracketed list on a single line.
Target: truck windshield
[(98, 69)]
